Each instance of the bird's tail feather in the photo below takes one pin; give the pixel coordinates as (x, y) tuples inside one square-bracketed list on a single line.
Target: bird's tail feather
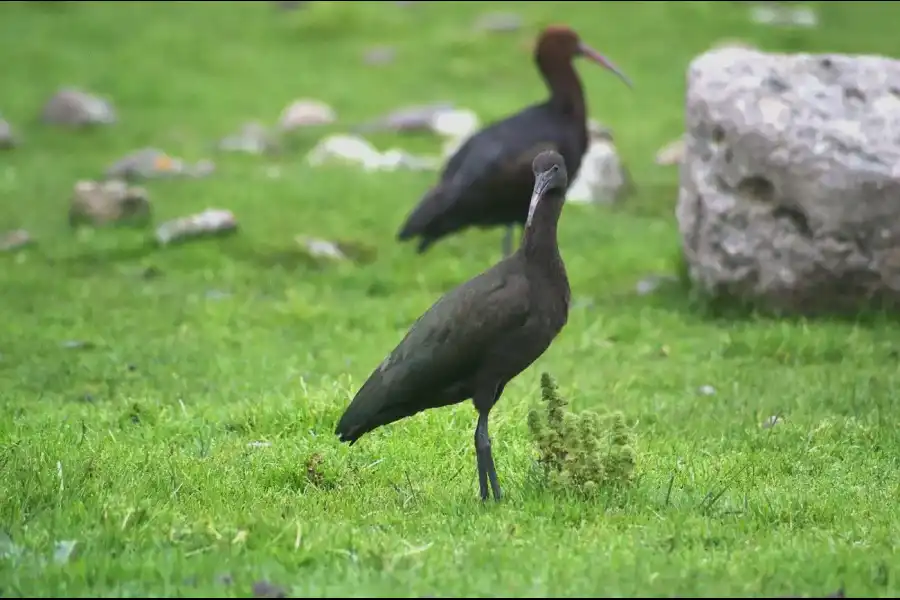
[(370, 410), (430, 206), (359, 416)]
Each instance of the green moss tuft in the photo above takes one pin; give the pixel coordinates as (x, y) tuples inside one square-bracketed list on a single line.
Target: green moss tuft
[(585, 452)]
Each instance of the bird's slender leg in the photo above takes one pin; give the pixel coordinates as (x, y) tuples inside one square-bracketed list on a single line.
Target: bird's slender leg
[(486, 471), (508, 240)]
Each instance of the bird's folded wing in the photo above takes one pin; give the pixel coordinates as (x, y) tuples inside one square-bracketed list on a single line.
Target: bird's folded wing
[(501, 153), (443, 345), (463, 324)]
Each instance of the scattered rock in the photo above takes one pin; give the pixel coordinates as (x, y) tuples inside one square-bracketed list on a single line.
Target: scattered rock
[(7, 137), (210, 222), (597, 130), (76, 108), (354, 150), (651, 283), (319, 248), (602, 177), (580, 302), (14, 240), (109, 202), (784, 16), (77, 345), (671, 154), (498, 22), (152, 163), (455, 122), (407, 119), (202, 168), (455, 126), (8, 549), (771, 422), (240, 537), (789, 188), (264, 589), (306, 113), (253, 138), (379, 55), (64, 551)]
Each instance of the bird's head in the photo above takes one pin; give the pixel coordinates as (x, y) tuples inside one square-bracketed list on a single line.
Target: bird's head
[(549, 175), (561, 43)]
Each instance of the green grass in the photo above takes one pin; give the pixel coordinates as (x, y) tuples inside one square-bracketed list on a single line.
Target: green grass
[(137, 446)]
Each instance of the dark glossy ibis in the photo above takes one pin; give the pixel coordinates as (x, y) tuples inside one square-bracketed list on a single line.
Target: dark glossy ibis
[(479, 335), (486, 183)]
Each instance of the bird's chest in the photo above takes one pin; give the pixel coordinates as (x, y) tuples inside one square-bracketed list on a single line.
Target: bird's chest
[(551, 316), (523, 347), (550, 295)]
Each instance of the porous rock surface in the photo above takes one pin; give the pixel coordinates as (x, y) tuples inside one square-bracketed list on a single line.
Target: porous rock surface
[(790, 185)]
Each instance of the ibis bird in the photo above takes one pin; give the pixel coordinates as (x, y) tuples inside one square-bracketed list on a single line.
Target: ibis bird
[(479, 335), (486, 182)]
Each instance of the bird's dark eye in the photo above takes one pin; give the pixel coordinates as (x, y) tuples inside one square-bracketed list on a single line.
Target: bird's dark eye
[(555, 168)]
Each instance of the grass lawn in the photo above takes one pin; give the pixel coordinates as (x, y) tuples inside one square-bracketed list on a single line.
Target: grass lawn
[(138, 446)]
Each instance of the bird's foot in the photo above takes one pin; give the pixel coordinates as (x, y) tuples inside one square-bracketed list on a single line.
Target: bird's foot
[(486, 471), (487, 474)]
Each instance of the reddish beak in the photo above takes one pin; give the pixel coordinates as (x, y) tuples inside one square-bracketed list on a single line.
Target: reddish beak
[(601, 60)]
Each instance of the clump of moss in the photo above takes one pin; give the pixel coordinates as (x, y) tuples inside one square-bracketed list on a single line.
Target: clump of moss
[(584, 452)]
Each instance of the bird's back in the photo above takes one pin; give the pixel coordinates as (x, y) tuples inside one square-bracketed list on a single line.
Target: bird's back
[(434, 363), (488, 181)]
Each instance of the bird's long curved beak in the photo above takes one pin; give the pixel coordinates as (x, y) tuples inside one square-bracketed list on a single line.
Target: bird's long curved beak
[(541, 183), (601, 60)]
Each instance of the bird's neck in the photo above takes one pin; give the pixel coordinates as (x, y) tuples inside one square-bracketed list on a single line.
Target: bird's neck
[(566, 91), (539, 241)]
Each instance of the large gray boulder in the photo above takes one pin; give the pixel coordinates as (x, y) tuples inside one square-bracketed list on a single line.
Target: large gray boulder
[(790, 186)]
